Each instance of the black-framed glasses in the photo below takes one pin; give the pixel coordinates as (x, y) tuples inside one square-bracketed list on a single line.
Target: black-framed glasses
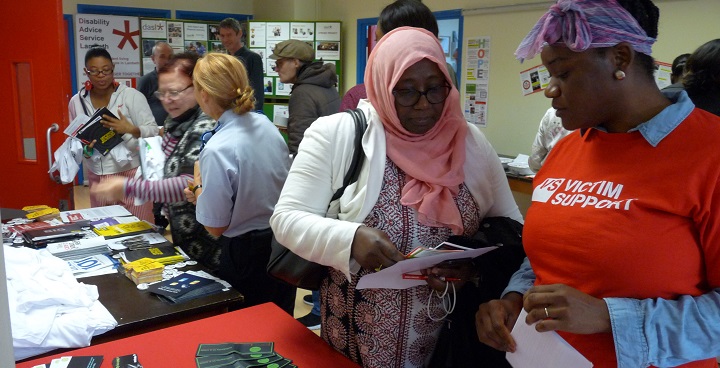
[(409, 97), (170, 95), (205, 137), (106, 71)]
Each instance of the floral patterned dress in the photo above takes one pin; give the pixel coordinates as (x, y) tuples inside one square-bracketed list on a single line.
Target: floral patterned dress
[(387, 328)]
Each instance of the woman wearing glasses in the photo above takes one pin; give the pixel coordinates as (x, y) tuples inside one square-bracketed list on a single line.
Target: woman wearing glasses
[(135, 120), (181, 145), (238, 178), (427, 175)]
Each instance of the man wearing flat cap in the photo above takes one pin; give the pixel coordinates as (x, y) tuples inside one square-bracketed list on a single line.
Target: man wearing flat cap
[(314, 91)]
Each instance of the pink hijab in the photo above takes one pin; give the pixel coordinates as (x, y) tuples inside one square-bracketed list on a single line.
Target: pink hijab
[(433, 162)]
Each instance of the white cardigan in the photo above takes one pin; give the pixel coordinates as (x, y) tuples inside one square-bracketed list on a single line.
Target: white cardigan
[(299, 221), (135, 107)]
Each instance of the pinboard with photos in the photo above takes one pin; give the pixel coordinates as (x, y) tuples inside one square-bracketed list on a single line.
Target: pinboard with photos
[(324, 37)]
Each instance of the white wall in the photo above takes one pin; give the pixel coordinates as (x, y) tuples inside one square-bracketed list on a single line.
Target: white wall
[(512, 118)]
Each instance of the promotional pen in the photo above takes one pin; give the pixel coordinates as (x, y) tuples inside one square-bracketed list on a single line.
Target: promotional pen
[(412, 276)]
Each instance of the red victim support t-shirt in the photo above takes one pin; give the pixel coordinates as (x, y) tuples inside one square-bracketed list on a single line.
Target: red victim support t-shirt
[(613, 216)]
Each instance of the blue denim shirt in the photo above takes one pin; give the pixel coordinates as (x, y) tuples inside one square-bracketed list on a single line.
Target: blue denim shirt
[(659, 332)]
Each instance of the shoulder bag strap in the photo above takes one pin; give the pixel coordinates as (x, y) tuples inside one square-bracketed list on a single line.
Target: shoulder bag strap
[(354, 170)]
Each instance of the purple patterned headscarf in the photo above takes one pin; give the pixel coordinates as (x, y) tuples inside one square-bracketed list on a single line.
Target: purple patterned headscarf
[(584, 24)]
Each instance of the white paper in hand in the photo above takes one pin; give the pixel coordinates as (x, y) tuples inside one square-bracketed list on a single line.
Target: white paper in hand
[(542, 349)]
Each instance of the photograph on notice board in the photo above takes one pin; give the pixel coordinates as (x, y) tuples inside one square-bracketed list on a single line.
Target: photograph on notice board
[(213, 32), (217, 47), (268, 86), (198, 47), (327, 50), (302, 31)]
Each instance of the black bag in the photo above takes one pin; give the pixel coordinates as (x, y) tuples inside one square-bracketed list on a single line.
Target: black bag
[(295, 270), (458, 344)]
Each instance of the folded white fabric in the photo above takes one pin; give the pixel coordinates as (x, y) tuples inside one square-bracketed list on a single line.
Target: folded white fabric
[(49, 309)]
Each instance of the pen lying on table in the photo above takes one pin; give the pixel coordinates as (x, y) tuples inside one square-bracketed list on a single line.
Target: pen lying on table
[(413, 276)]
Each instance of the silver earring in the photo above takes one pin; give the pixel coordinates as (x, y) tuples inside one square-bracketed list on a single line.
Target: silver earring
[(619, 74)]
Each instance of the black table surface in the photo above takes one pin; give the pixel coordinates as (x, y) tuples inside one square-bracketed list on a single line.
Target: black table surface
[(138, 311)]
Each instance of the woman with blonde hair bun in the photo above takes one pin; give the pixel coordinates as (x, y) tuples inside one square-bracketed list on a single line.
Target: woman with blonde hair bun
[(242, 167)]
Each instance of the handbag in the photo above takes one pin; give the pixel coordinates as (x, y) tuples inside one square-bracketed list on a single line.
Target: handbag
[(458, 345), (289, 267)]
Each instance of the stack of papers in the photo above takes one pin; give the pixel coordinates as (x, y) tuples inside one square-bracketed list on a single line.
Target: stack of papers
[(144, 270), (130, 228), (94, 213), (75, 249), (166, 254), (93, 265)]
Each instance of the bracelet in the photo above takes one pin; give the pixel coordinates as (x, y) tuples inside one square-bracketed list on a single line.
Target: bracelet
[(196, 188), (87, 153)]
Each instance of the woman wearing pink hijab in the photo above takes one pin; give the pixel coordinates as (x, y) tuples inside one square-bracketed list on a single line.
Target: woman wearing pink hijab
[(427, 174)]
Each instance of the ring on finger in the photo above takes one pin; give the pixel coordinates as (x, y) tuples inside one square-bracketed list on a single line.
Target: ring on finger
[(547, 314)]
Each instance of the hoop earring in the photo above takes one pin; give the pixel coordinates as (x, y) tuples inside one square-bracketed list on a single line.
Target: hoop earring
[(619, 74)]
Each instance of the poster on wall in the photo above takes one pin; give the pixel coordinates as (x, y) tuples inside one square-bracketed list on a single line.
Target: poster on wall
[(280, 115), (327, 50), (662, 74), (302, 31), (262, 54), (327, 31), (534, 79), (257, 34), (477, 72), (196, 31), (175, 35), (282, 89), (277, 31), (270, 67), (153, 28), (119, 35)]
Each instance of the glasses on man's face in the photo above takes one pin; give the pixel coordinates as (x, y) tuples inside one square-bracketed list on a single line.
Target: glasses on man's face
[(409, 97), (171, 95), (205, 137), (106, 71)]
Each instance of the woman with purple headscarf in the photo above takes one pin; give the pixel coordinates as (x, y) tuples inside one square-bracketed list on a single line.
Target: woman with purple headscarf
[(624, 263)]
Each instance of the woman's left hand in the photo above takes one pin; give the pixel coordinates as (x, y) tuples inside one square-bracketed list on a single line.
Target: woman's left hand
[(110, 189), (457, 271), (121, 125), (563, 308)]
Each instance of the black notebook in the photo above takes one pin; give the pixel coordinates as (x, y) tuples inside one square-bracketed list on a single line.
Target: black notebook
[(105, 138)]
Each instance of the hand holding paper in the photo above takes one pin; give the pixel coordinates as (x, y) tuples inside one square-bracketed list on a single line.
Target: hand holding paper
[(542, 349), (391, 277)]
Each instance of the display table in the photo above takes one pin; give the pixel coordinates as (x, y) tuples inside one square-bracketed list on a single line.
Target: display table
[(176, 346), (140, 311)]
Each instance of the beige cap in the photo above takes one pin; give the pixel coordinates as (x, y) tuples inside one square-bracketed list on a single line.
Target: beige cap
[(295, 49)]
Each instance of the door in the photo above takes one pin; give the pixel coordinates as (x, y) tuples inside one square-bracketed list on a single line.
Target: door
[(34, 92)]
